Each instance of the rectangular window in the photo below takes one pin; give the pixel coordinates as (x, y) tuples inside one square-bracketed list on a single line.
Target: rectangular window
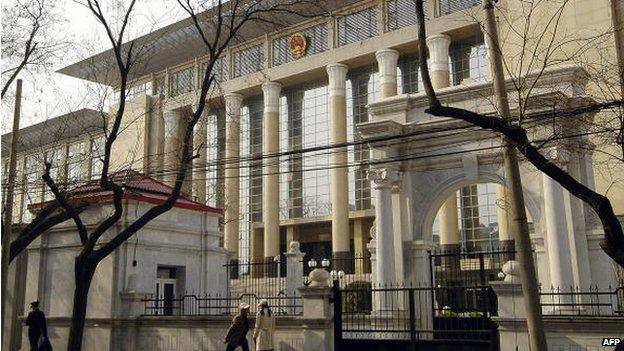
[(76, 155), (139, 89), (159, 85), (97, 152), (215, 151), (316, 41), (54, 158), (31, 185), (219, 70), (182, 81), (402, 13), (357, 26), (468, 60), (446, 7), (248, 60)]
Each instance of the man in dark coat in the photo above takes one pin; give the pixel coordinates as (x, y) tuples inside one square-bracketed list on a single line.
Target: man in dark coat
[(237, 334), (36, 323)]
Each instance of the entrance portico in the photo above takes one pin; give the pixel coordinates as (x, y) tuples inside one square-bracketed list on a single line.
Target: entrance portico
[(441, 155)]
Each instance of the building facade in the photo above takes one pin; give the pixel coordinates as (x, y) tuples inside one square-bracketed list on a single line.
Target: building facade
[(268, 101)]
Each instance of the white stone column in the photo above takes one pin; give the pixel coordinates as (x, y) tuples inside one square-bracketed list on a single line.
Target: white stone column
[(505, 238), (200, 138), (294, 271), (449, 225), (270, 180), (385, 264), (387, 62), (438, 45), (557, 242), (231, 216), (339, 180), (173, 142)]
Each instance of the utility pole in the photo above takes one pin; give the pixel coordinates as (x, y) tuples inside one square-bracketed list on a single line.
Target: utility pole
[(617, 17), (7, 220), (519, 225)]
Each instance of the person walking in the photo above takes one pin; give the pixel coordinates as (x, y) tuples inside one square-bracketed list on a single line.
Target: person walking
[(265, 327), (37, 327), (237, 333)]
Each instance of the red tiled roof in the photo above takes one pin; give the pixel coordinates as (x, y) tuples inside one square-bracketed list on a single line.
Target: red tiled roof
[(137, 186)]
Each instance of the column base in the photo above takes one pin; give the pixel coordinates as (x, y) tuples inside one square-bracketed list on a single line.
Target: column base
[(343, 261)]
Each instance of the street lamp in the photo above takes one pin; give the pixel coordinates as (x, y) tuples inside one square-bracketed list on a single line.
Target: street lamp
[(325, 263)]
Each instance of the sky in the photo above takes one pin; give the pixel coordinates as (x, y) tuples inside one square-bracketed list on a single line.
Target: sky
[(48, 94)]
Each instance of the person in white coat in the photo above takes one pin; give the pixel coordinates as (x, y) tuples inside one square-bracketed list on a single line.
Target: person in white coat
[(265, 327)]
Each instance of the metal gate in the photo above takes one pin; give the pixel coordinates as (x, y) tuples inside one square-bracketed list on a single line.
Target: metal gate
[(452, 312)]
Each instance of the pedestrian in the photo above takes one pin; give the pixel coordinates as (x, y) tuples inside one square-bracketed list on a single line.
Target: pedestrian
[(265, 327), (237, 333), (37, 329)]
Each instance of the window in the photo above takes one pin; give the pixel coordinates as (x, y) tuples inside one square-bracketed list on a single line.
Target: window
[(306, 187), (75, 158), (248, 60), (446, 7), (408, 76), (31, 185), (215, 150), (97, 153), (468, 60), (166, 287), (159, 85), (402, 13), (357, 26), (316, 39), (219, 70), (139, 89), (54, 158), (182, 81)]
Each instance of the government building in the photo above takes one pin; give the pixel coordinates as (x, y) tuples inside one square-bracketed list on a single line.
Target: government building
[(283, 97)]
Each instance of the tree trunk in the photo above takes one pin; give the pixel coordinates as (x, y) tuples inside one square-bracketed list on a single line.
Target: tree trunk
[(84, 269)]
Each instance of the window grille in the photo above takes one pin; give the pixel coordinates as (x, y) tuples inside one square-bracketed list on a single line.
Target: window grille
[(409, 78), (402, 13), (159, 85), (446, 7), (139, 89), (181, 82), (219, 70), (316, 39), (248, 60), (357, 26)]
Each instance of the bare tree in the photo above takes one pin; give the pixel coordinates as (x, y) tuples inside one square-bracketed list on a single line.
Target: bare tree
[(30, 38), (218, 26), (517, 135)]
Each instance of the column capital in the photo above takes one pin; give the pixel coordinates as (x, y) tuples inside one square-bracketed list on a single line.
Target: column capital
[(558, 155), (271, 92), (387, 54), (337, 75), (387, 60), (438, 45), (384, 177), (233, 98)]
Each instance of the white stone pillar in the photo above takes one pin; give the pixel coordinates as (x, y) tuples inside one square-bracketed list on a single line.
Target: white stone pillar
[(505, 238), (294, 272), (559, 263), (387, 62), (438, 45), (173, 142), (231, 216), (449, 225), (339, 184), (200, 137), (385, 264), (270, 180)]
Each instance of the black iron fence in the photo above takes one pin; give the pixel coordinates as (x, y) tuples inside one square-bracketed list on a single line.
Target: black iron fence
[(574, 301), (412, 314), (466, 268), (218, 305)]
